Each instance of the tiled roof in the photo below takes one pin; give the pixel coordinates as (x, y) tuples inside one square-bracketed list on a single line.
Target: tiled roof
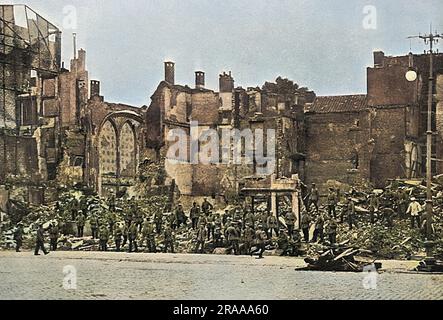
[(337, 104)]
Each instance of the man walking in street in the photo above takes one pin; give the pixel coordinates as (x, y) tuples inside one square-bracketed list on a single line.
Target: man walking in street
[(40, 241)]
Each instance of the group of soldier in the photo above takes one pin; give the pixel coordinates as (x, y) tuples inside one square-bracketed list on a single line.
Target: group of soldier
[(242, 230)]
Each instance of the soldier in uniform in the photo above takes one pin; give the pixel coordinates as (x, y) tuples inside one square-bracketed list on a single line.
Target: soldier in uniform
[(53, 236), (180, 216), (314, 198), (169, 239), (201, 238), (272, 225), (206, 206), (80, 224), (232, 236), (158, 221), (350, 212), (18, 237), (290, 220), (40, 241), (210, 225), (319, 226), (248, 238), (249, 218), (133, 233), (149, 236), (118, 233), (93, 222), (125, 233), (103, 237), (227, 215), (305, 225), (374, 204), (283, 242), (260, 238), (331, 230), (218, 241), (112, 218), (332, 203), (194, 214), (139, 220)]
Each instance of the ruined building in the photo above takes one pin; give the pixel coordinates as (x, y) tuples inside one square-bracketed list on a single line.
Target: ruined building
[(56, 129), (52, 131), (380, 135)]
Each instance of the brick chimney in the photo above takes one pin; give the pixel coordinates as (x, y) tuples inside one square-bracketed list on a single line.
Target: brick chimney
[(170, 72), (199, 79), (226, 82), (379, 57)]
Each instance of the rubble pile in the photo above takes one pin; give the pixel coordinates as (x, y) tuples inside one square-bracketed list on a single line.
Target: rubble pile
[(340, 257)]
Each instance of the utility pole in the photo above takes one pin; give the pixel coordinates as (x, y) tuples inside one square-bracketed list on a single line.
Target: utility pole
[(429, 39)]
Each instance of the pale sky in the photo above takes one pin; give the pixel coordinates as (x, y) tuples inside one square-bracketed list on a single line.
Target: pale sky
[(319, 44)]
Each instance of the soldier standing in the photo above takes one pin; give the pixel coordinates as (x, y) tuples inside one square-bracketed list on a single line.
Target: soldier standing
[(233, 237), (331, 230), (332, 203), (272, 225), (305, 225), (93, 222), (53, 236), (18, 237), (283, 242), (169, 240), (290, 220), (374, 204), (211, 225), (139, 220), (149, 236), (314, 198), (180, 216), (118, 237), (201, 237), (80, 224), (260, 237), (112, 218), (125, 233), (319, 225), (206, 206), (133, 233), (350, 211), (40, 241), (158, 220), (194, 215), (104, 238), (414, 210), (248, 238)]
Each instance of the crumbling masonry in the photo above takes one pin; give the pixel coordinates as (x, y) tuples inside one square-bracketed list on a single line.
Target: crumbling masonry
[(57, 130)]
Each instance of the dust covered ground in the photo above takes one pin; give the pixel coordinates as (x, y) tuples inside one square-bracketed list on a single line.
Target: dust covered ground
[(168, 276)]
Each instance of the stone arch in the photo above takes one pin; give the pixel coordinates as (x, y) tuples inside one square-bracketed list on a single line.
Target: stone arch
[(128, 149), (126, 126), (108, 152)]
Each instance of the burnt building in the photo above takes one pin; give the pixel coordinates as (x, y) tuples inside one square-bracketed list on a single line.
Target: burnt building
[(380, 135)]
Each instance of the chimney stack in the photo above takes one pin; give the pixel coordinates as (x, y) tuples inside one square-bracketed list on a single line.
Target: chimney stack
[(226, 82), (170, 72), (199, 79), (95, 88), (379, 57)]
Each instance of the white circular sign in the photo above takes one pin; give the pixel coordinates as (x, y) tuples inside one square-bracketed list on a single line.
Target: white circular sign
[(411, 75)]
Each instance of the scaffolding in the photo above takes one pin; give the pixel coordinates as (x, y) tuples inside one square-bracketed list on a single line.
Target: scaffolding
[(30, 49)]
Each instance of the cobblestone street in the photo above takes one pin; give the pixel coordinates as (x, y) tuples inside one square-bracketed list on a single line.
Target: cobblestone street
[(165, 276)]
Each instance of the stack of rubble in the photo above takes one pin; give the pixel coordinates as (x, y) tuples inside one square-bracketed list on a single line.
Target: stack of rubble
[(339, 257)]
